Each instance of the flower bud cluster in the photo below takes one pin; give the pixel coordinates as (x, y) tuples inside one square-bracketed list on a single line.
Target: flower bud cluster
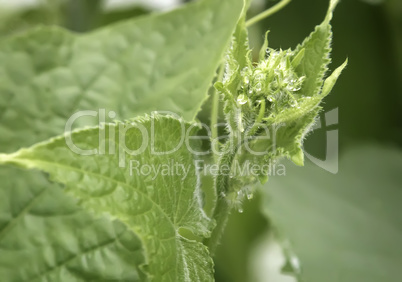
[(272, 82)]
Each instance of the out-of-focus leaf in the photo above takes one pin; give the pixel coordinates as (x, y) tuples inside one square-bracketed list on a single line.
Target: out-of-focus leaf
[(109, 17), (344, 227), (13, 22)]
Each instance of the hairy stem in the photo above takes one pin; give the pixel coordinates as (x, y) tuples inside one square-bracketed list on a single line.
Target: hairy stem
[(223, 208), (215, 112), (274, 9), (221, 216)]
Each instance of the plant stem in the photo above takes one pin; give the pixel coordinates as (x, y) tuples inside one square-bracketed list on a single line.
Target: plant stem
[(223, 208), (215, 112), (274, 9), (221, 216)]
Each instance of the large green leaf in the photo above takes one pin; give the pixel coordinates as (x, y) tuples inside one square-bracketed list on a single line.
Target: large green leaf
[(48, 74), (344, 227), (154, 193), (45, 236), (160, 62), (13, 22)]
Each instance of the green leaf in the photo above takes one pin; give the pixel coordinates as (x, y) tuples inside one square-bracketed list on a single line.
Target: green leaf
[(264, 48), (237, 59), (240, 44), (48, 74), (329, 83), (344, 227), (45, 236), (317, 48), (13, 22), (160, 207), (161, 62)]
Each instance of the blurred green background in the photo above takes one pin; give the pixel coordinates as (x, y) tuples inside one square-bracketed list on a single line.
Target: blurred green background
[(343, 227)]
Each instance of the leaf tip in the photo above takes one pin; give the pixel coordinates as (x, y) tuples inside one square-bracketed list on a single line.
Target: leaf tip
[(263, 179), (5, 158), (298, 58), (298, 157), (332, 6), (329, 83), (264, 46)]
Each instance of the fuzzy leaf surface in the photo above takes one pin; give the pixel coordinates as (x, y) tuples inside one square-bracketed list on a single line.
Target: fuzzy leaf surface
[(45, 236), (161, 62), (155, 195), (317, 49)]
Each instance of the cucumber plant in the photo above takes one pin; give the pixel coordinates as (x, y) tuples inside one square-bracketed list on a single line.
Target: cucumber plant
[(121, 197)]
